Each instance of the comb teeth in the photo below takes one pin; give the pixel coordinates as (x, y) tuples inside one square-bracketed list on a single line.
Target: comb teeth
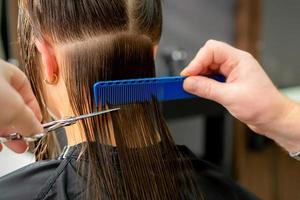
[(140, 90)]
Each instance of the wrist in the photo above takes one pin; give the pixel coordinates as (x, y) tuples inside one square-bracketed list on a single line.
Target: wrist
[(288, 132), (285, 127)]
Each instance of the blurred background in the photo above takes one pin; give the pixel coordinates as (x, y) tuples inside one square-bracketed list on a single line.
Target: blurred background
[(268, 29)]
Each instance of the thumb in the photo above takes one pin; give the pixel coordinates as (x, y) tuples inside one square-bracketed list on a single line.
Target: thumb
[(205, 87)]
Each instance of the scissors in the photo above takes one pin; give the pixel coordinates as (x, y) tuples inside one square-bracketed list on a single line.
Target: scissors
[(52, 126)]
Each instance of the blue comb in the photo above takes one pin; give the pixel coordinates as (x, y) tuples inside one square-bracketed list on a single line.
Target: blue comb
[(140, 90)]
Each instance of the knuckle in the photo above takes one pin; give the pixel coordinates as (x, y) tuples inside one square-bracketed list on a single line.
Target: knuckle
[(246, 54), (17, 110), (215, 44), (231, 64), (210, 42), (207, 90), (189, 86)]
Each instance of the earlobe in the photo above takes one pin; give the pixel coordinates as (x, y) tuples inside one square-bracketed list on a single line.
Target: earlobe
[(49, 62)]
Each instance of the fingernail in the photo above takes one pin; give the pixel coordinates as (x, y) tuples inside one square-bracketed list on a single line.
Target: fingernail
[(184, 72), (192, 80), (38, 126), (40, 117), (190, 83)]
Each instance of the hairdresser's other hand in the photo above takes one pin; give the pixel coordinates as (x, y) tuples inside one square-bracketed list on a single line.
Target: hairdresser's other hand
[(19, 110), (248, 93)]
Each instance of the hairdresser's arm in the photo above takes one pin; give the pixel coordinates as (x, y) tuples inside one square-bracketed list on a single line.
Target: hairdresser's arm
[(248, 93), (19, 110)]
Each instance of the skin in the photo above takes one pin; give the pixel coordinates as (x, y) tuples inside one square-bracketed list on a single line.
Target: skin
[(57, 99), (248, 94), (19, 108)]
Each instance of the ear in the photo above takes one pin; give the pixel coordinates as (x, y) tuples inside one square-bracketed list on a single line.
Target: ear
[(48, 59)]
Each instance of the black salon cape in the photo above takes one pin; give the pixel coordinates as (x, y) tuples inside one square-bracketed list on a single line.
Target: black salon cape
[(56, 179)]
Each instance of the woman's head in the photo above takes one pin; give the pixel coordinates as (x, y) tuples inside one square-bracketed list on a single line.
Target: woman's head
[(51, 32), (55, 27)]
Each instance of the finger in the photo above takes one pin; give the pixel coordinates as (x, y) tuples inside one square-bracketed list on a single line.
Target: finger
[(17, 146), (218, 55), (206, 88), (26, 122), (17, 114), (0, 147), (21, 84)]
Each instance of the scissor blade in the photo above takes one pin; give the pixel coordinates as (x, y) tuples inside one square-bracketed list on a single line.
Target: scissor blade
[(52, 123), (94, 114), (51, 126)]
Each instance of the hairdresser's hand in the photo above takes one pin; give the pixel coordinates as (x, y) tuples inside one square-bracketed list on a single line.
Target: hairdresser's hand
[(19, 110), (248, 93)]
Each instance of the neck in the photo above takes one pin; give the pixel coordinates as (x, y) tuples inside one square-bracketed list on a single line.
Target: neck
[(75, 135)]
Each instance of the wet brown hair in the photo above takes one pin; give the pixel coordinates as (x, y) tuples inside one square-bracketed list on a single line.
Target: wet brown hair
[(108, 40)]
